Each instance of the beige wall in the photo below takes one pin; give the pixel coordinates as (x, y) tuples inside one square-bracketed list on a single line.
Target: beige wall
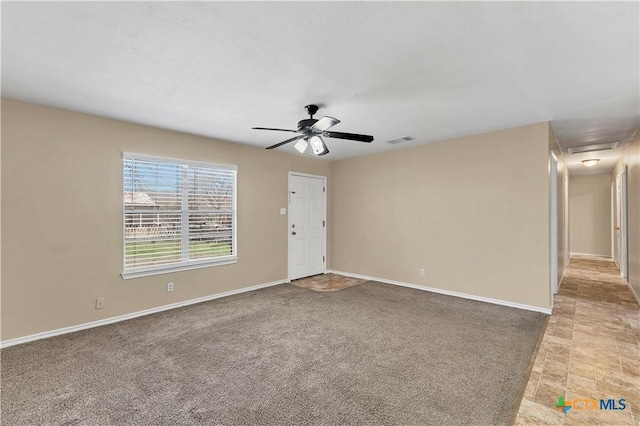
[(631, 159), (474, 212), (0, 229), (62, 217), (591, 214)]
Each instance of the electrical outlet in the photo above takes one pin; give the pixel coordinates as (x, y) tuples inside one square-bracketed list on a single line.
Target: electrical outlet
[(170, 287), (100, 303), (283, 211), (423, 273)]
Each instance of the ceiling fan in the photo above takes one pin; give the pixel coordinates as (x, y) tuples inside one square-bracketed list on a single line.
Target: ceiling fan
[(313, 130)]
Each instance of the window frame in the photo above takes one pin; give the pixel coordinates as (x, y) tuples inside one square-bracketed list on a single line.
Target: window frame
[(188, 264)]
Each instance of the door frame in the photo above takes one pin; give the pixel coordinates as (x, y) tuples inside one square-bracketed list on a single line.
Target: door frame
[(624, 253), (289, 218), (566, 220), (613, 222), (553, 231)]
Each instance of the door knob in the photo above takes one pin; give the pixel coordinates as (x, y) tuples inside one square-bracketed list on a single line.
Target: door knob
[(293, 233)]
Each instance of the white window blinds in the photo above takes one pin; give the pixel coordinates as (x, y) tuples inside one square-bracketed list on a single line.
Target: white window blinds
[(177, 213)]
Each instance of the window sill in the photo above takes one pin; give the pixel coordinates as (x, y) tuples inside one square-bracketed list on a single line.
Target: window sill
[(167, 269)]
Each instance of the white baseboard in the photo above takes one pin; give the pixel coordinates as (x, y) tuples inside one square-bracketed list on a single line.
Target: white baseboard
[(608, 256), (635, 295), (92, 324), (447, 292)]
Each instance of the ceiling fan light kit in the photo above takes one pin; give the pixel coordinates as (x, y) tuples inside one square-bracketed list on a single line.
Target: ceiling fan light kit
[(318, 145), (301, 146), (312, 131)]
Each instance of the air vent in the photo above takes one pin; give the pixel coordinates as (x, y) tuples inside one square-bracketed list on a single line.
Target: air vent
[(592, 147), (401, 140)]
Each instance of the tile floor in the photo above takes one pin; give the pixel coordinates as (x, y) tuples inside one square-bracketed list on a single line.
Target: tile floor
[(327, 282), (590, 349)]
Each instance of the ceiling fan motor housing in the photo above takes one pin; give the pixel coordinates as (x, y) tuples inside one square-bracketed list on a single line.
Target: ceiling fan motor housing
[(306, 123)]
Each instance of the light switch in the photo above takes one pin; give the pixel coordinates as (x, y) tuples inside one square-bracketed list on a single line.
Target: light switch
[(283, 211)]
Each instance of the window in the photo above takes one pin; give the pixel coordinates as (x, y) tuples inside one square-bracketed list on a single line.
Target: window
[(177, 215)]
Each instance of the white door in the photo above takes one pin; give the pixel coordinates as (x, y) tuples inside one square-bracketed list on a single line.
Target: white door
[(307, 225)]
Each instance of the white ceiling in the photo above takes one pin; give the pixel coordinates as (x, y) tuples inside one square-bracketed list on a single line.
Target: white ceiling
[(432, 70)]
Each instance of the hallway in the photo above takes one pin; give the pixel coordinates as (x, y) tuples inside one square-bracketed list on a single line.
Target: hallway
[(590, 349)]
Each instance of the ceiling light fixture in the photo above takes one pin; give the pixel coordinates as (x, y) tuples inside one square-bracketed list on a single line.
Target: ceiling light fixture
[(318, 145), (590, 163), (301, 146)]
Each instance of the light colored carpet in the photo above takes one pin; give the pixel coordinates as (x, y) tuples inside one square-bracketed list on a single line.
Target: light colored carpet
[(369, 354)]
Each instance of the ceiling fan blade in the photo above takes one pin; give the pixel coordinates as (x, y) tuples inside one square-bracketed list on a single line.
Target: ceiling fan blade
[(269, 128), (349, 136), (284, 142), (324, 123)]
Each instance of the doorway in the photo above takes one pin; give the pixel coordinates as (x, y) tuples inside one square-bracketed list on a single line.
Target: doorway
[(307, 225), (620, 226)]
